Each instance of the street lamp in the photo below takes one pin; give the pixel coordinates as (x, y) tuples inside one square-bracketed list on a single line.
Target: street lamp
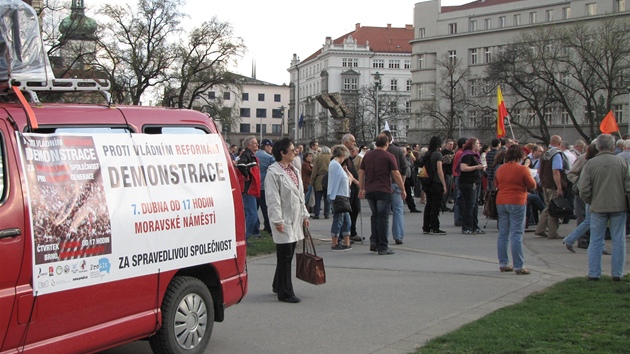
[(282, 122), (377, 86)]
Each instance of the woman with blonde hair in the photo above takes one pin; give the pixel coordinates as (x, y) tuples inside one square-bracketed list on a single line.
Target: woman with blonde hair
[(339, 179)]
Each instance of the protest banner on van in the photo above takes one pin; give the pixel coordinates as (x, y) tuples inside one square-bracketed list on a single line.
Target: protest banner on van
[(105, 207)]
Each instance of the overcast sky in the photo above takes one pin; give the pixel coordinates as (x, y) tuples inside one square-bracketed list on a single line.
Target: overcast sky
[(275, 29)]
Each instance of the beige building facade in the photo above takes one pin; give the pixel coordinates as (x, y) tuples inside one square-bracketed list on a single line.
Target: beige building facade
[(476, 32)]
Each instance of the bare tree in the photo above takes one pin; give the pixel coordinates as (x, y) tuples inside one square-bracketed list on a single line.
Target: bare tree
[(203, 60), (451, 90), (136, 49), (576, 72)]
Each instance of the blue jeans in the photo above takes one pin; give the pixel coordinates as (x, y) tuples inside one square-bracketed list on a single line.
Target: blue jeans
[(398, 223), (307, 196), (318, 203), (470, 193), (251, 214), (617, 223), (340, 225), (381, 206), (511, 229), (581, 229)]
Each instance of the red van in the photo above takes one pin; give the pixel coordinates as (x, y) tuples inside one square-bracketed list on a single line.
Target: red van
[(116, 224)]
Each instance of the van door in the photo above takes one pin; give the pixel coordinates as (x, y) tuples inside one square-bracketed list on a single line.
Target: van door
[(12, 239)]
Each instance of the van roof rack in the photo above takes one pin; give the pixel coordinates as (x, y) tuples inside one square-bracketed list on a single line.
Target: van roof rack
[(58, 85)]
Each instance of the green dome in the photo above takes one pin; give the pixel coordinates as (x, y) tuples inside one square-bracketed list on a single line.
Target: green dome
[(78, 27)]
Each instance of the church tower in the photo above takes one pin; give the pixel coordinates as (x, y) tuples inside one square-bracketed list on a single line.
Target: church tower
[(78, 38)]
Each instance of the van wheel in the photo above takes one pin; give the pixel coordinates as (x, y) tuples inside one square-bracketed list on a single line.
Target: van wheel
[(187, 318)]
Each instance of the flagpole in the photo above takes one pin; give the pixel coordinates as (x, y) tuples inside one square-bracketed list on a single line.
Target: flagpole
[(510, 125)]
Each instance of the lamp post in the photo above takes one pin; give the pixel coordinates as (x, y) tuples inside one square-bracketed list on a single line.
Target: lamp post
[(282, 122), (377, 86), (260, 128)]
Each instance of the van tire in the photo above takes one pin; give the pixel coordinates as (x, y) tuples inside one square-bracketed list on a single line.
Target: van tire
[(187, 318)]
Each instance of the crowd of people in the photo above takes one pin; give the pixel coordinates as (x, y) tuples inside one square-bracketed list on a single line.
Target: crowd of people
[(332, 181)]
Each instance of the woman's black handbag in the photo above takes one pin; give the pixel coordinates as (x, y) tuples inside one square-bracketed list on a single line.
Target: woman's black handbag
[(341, 204)]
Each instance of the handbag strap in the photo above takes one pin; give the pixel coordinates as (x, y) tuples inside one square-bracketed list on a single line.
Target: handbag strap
[(307, 235)]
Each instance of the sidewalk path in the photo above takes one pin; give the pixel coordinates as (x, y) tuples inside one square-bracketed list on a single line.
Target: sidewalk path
[(388, 304)]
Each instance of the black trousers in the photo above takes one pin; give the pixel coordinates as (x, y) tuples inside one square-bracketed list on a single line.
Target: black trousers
[(282, 279), (431, 220), (411, 204), (355, 202)]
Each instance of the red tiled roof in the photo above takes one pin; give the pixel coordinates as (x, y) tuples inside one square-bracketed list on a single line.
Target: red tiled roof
[(382, 39), (476, 4)]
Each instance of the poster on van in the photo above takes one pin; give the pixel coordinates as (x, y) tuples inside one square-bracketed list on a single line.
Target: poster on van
[(105, 207)]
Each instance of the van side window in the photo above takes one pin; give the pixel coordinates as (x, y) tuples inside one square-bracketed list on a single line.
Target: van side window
[(175, 130), (87, 130)]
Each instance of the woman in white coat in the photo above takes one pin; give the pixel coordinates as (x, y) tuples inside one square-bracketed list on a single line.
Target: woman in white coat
[(287, 212)]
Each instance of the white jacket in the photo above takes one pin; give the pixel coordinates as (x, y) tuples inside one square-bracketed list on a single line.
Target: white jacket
[(285, 204)]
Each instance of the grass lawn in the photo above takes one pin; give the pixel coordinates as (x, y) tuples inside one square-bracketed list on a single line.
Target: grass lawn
[(261, 245), (574, 316)]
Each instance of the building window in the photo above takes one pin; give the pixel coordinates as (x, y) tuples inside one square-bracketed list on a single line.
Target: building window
[(276, 113), (564, 78), (564, 116), (244, 128), (277, 97), (620, 5), (591, 9), (350, 84), (264, 128), (276, 128), (211, 95), (452, 28), (473, 25), (473, 56), (409, 85), (393, 85), (549, 15), (394, 64), (393, 107), (566, 13), (261, 113), (246, 112), (407, 107), (548, 114), (407, 64), (501, 21), (487, 51), (487, 23), (532, 17), (349, 62), (261, 97), (472, 119), (473, 88), (452, 56), (421, 91), (378, 63), (618, 112), (421, 63), (421, 32), (245, 96), (517, 20)]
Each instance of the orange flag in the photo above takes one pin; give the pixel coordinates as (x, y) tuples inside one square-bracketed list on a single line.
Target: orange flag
[(501, 114), (609, 124)]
